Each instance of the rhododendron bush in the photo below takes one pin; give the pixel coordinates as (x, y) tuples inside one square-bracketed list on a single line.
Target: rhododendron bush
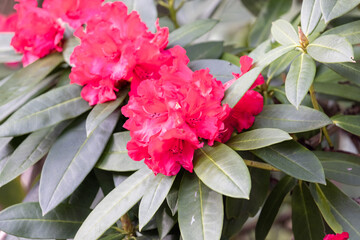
[(144, 119)]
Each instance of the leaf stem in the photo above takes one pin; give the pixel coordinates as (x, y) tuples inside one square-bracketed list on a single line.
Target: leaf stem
[(260, 165), (317, 107), (170, 5)]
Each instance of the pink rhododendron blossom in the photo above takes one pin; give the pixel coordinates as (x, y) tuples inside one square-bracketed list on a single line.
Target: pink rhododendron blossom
[(242, 116), (74, 12), (170, 117), (117, 47), (37, 32), (8, 23), (339, 236)]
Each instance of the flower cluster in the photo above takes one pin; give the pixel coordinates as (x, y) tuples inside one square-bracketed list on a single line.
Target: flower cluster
[(8, 23), (339, 236)]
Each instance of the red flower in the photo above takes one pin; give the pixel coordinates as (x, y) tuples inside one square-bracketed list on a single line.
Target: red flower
[(242, 116), (339, 236), (37, 32), (116, 47), (74, 12), (8, 23)]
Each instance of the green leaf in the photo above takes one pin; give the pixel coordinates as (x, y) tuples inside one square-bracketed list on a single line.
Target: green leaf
[(310, 15), (293, 159), (288, 118), (223, 170), (153, 198), (102, 111), (115, 156), (220, 69), (284, 33), (299, 79), (257, 138), (164, 221), (348, 123), (274, 54), (85, 194), (146, 9), (270, 12), (63, 171), (69, 47), (200, 210), (260, 50), (341, 167), (206, 50), (26, 220), (46, 110), (188, 33), (306, 218), (254, 6), (272, 205), (345, 211), (339, 90), (335, 8), (281, 64), (30, 151), (350, 71), (331, 49), (115, 204), (350, 31)]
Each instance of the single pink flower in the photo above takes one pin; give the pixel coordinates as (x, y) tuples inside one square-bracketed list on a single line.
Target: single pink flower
[(339, 236)]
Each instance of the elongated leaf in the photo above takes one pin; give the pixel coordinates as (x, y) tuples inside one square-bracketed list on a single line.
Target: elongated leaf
[(115, 204), (293, 159), (306, 219), (257, 138), (338, 90), (350, 31), (164, 221), (281, 64), (273, 54), (86, 193), (46, 110), (284, 33), (63, 171), (146, 9), (341, 167), (26, 220), (270, 12), (30, 151), (348, 123), (188, 33), (299, 79), (350, 71), (345, 211), (220, 69), (207, 50), (153, 198), (5, 147), (272, 205), (290, 119), (69, 47), (223, 170), (331, 49), (310, 15), (200, 210), (335, 8), (115, 156), (254, 6)]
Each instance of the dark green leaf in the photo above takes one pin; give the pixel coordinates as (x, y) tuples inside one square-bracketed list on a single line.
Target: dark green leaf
[(338, 90), (164, 221), (350, 31), (223, 170), (306, 218), (310, 15), (290, 119), (26, 220), (206, 50), (335, 8), (200, 210), (71, 158), (272, 205), (284, 33), (293, 159), (350, 71), (85, 194), (348, 123), (188, 33)]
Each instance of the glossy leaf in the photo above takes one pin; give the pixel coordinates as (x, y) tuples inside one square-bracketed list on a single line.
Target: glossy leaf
[(188, 33), (341, 167), (348, 123), (293, 159), (350, 71), (338, 90), (206, 50), (331, 49), (345, 210), (69, 47), (299, 79), (310, 15), (46, 110), (290, 119), (223, 170), (272, 205), (257, 138), (350, 31), (115, 204), (335, 8), (26, 220), (281, 64), (306, 218), (284, 33), (153, 198), (71, 159), (200, 210), (115, 156)]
